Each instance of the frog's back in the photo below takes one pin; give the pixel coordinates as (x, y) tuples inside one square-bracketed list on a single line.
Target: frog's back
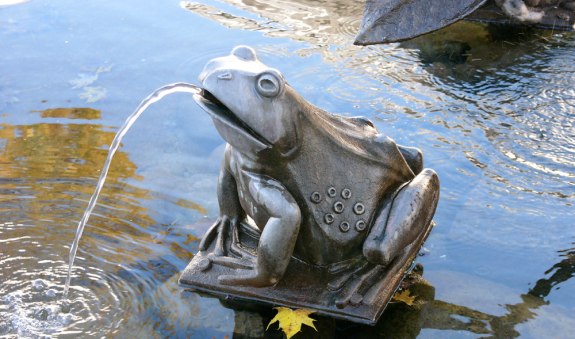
[(341, 175)]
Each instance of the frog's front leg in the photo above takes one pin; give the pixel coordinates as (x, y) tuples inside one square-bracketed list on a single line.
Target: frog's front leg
[(403, 219), (276, 211), (231, 213)]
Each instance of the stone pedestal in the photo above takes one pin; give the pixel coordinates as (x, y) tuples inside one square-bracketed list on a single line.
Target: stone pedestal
[(355, 290)]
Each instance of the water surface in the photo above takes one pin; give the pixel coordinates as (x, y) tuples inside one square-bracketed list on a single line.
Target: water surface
[(493, 112)]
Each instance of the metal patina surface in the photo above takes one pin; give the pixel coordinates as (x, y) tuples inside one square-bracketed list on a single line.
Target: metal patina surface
[(316, 210), (396, 20)]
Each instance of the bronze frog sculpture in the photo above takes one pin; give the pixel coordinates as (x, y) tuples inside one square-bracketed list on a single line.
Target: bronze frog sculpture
[(319, 189)]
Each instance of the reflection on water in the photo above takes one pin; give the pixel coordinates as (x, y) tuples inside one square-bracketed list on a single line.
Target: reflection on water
[(493, 111), (323, 22), (428, 314), (512, 77), (152, 98), (48, 173), (500, 97)]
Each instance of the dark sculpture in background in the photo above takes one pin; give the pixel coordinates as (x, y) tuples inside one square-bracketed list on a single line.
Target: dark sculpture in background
[(317, 210), (396, 20)]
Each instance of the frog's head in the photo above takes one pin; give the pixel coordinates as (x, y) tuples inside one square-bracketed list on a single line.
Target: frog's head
[(251, 104)]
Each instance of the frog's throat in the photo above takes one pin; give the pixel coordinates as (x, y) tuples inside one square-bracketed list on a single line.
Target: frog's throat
[(228, 123)]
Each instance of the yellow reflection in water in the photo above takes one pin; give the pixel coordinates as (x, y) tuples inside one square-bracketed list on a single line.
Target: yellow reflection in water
[(71, 113), (49, 171), (59, 151)]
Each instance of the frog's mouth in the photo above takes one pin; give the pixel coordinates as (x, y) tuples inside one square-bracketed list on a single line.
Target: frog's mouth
[(229, 125)]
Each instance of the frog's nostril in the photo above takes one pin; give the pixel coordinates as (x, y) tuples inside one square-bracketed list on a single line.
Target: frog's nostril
[(225, 76)]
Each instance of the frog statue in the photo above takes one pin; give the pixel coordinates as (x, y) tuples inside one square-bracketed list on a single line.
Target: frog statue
[(327, 195)]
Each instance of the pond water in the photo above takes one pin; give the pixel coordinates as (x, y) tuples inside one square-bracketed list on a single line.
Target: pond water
[(492, 110)]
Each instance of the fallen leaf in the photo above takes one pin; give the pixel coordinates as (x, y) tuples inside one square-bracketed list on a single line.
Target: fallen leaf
[(404, 297), (290, 321)]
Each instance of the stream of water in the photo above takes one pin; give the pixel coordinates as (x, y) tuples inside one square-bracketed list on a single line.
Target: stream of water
[(152, 98)]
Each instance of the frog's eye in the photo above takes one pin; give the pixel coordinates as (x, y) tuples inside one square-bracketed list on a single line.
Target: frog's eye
[(270, 83)]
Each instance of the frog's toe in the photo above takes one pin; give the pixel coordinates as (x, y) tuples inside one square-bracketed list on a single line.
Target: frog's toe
[(359, 285), (218, 232), (378, 254), (231, 262), (209, 236), (253, 279), (240, 251)]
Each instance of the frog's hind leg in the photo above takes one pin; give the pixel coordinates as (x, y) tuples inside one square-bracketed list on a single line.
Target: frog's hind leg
[(403, 220), (278, 238)]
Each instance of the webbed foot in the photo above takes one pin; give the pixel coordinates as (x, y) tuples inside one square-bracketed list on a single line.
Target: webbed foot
[(219, 231), (359, 286)]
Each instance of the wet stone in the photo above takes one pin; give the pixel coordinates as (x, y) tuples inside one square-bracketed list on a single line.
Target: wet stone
[(320, 240)]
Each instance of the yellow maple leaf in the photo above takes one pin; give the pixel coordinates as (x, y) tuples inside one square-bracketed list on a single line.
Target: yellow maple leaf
[(290, 321), (404, 297)]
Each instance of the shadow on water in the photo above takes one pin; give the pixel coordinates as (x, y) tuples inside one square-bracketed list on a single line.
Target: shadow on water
[(407, 321)]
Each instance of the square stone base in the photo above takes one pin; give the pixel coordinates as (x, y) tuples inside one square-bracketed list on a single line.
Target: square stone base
[(312, 287)]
